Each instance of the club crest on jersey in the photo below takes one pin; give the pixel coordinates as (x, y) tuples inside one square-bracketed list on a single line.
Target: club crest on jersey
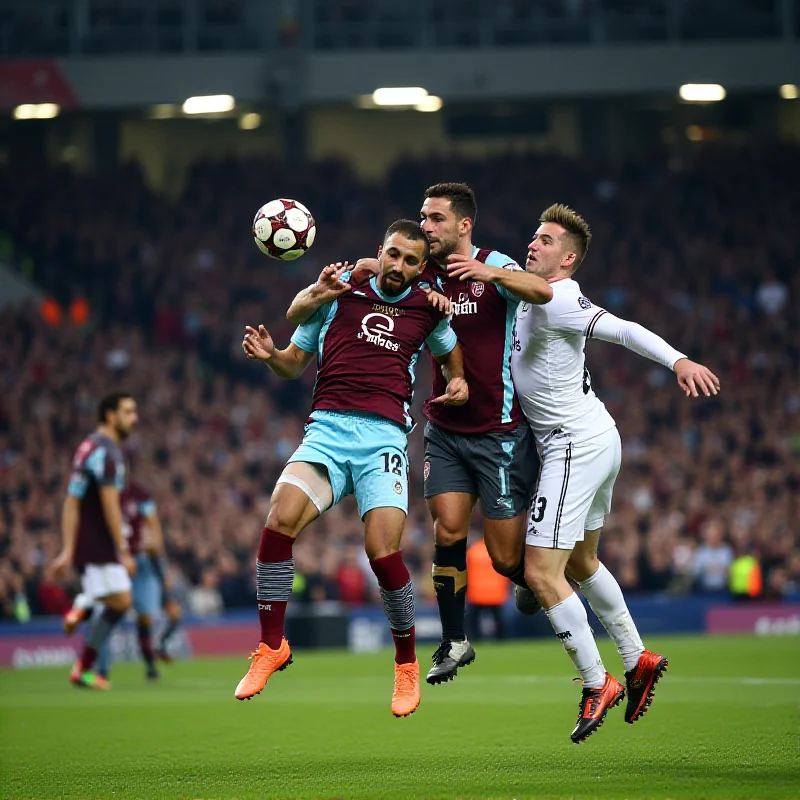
[(584, 302), (398, 487), (477, 288), (464, 305), (377, 329)]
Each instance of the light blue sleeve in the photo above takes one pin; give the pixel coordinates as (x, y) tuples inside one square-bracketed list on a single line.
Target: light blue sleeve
[(147, 508), (442, 339), (306, 335), (503, 261)]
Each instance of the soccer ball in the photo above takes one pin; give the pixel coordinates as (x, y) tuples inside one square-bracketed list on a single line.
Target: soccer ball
[(284, 229)]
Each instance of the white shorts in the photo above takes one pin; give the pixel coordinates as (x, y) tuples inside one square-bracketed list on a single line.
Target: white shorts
[(101, 580), (575, 486)]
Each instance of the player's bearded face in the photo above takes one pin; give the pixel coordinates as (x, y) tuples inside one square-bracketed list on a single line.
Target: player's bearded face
[(401, 260), (440, 225), (126, 418)]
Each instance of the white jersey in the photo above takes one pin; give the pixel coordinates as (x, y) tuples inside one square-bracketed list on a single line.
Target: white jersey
[(548, 362)]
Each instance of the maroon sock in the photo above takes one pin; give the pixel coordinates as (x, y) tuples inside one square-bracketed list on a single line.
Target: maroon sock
[(274, 576), (397, 598), (88, 657), (145, 642)]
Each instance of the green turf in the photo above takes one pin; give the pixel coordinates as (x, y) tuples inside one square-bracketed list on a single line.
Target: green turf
[(724, 724)]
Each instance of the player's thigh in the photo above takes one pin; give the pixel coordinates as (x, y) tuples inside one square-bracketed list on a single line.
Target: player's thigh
[(378, 465), (383, 530), (505, 465), (445, 470), (295, 502), (101, 581), (569, 478), (325, 445), (451, 513)]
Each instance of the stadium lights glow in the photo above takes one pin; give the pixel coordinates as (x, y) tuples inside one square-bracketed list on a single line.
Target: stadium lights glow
[(430, 103), (789, 91), (399, 96), (250, 121), (209, 104), (36, 111), (702, 92)]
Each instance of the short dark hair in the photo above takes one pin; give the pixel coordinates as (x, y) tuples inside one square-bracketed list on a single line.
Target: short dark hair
[(411, 230), (111, 403), (461, 197)]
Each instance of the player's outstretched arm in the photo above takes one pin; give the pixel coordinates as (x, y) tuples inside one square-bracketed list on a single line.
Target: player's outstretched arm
[(328, 287), (457, 391), (69, 534), (524, 285), (693, 378), (289, 363)]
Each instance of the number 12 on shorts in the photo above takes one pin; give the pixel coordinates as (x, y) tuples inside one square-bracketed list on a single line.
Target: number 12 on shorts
[(392, 462)]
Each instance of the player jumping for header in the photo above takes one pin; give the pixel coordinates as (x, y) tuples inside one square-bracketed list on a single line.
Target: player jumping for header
[(367, 342)]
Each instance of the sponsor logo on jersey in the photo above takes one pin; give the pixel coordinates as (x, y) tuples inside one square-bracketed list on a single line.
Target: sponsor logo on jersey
[(377, 329), (584, 302), (389, 311), (464, 305), (477, 288)]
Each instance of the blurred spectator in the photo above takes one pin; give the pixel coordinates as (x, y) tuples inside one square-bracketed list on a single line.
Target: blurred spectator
[(712, 559), (205, 599)]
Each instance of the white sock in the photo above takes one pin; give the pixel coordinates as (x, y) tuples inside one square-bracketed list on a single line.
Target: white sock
[(605, 597), (571, 625)]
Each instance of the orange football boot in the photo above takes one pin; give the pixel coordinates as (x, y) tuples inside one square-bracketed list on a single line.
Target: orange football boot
[(264, 661), (641, 683), (594, 706), (406, 695), (86, 679)]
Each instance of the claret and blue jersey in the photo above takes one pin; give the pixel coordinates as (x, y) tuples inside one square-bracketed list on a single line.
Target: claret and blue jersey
[(367, 344), (483, 321)]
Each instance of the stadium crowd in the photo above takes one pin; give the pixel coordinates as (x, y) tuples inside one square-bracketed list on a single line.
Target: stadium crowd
[(701, 250)]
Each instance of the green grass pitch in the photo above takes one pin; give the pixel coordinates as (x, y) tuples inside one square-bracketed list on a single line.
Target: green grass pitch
[(724, 724)]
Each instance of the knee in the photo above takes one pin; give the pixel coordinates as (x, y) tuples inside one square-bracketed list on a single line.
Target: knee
[(505, 563), (376, 550), (119, 602), (446, 534), (280, 519), (581, 566), (540, 581), (145, 620)]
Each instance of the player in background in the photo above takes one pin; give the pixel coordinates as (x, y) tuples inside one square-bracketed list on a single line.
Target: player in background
[(581, 452), (146, 544), (367, 342), (149, 583), (92, 529), (483, 450)]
